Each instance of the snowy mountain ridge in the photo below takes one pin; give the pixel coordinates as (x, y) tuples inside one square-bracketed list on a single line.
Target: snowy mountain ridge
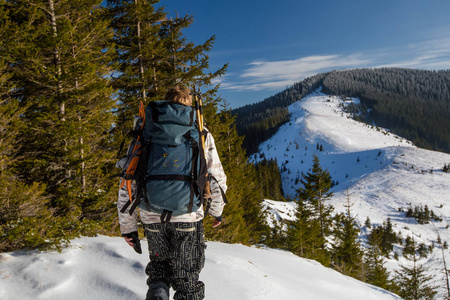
[(382, 173)]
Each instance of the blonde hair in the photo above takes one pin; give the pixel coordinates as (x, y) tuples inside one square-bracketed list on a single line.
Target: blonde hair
[(179, 94)]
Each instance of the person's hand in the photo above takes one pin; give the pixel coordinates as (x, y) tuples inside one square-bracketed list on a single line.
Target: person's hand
[(132, 239), (217, 222)]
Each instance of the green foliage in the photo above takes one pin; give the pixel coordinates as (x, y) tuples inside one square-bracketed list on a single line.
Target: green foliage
[(383, 237), (24, 217), (422, 214), (346, 251), (243, 220), (153, 56), (412, 281), (58, 57), (446, 168), (410, 248), (72, 75), (412, 103), (314, 217), (269, 180), (376, 273), (374, 258)]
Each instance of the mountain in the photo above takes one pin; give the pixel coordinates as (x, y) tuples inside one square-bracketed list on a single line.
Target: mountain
[(382, 174), (107, 268), (414, 104)]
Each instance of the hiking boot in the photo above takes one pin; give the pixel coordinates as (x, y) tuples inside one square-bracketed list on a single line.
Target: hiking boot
[(158, 290)]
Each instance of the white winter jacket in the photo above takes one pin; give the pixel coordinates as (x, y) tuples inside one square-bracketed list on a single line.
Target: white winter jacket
[(129, 223)]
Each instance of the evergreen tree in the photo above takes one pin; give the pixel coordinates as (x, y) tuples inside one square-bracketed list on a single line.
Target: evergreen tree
[(139, 52), (60, 64), (313, 215), (384, 237), (154, 55), (269, 180), (375, 271), (316, 190), (243, 219), (412, 281), (20, 203), (304, 233), (346, 251)]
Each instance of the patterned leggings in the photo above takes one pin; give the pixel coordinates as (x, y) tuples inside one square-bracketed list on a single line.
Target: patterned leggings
[(177, 255)]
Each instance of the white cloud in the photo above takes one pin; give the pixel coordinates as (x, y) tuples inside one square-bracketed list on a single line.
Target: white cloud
[(430, 54), (433, 53), (278, 74)]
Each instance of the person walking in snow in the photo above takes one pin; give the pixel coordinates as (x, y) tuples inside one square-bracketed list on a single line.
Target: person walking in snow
[(176, 244)]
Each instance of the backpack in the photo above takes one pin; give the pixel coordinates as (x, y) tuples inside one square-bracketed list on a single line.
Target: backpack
[(129, 163), (171, 172)]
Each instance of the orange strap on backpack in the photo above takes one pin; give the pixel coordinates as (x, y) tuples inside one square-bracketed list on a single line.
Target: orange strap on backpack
[(135, 154)]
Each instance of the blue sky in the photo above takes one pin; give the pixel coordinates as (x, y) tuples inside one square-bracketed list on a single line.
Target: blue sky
[(269, 45)]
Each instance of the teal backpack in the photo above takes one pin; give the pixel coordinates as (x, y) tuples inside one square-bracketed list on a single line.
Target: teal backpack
[(171, 173)]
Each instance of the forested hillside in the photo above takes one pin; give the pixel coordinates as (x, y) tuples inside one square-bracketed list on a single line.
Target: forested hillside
[(258, 121), (414, 104)]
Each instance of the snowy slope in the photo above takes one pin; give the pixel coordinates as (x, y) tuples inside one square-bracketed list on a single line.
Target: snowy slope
[(278, 212), (381, 172), (107, 268)]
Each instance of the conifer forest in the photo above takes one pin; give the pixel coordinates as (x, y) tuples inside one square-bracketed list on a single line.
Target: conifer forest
[(72, 75), (414, 104)]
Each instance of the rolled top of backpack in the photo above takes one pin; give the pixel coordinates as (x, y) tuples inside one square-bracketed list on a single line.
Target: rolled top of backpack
[(166, 120)]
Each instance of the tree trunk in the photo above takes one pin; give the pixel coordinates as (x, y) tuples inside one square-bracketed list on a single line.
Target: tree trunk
[(57, 61), (140, 57)]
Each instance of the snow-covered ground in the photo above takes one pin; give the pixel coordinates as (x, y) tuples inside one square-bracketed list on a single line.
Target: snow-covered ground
[(107, 268), (381, 172)]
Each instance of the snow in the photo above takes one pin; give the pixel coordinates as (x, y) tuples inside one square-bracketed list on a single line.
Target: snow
[(380, 171), (107, 268), (278, 212)]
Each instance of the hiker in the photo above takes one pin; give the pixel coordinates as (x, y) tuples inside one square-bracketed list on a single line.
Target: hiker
[(176, 244)]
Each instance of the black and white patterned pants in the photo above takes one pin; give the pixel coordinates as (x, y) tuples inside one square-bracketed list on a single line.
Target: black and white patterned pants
[(177, 255)]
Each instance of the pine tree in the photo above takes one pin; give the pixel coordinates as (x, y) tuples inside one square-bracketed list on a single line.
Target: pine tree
[(269, 180), (316, 190), (412, 281), (389, 237), (139, 52), (304, 233), (313, 215), (60, 70), (384, 237), (375, 271), (243, 220), (346, 252), (20, 203), (154, 55)]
